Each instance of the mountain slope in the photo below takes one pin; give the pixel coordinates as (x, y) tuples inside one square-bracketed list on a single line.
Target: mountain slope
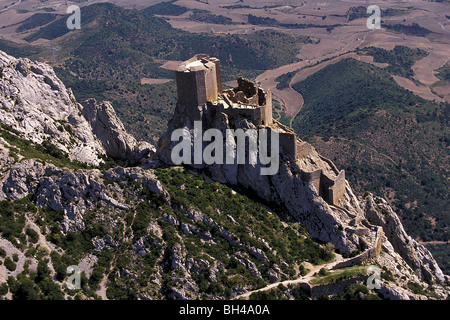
[(388, 140), (159, 233)]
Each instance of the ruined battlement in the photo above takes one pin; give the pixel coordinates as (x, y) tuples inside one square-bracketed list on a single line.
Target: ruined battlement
[(331, 190), (247, 100), (199, 83)]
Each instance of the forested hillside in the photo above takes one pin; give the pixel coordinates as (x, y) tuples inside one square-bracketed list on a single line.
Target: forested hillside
[(388, 140)]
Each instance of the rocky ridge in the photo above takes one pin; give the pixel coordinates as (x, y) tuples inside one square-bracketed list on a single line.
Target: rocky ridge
[(37, 104), (349, 226), (137, 233)]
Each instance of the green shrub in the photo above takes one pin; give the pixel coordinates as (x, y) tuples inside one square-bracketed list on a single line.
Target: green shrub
[(36, 20), (3, 289), (23, 289), (58, 265), (323, 272), (9, 264), (51, 290), (43, 270), (33, 236), (416, 288)]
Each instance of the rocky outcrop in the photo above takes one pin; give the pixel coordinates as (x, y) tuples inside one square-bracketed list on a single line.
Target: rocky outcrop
[(349, 225), (127, 214), (378, 212), (35, 103), (74, 192), (285, 187), (108, 128)]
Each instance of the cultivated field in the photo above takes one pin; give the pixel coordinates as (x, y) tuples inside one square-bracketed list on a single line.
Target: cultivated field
[(338, 43), (332, 44)]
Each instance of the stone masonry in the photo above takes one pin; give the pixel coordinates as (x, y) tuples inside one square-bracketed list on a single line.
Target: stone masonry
[(199, 88)]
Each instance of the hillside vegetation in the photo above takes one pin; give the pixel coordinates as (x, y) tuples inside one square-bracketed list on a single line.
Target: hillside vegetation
[(207, 222), (400, 59), (388, 140), (36, 20)]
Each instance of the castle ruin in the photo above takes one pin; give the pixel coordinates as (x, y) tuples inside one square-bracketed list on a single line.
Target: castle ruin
[(199, 87)]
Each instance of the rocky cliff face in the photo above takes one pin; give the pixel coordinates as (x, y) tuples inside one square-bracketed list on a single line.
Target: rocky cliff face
[(285, 187), (38, 105), (108, 128), (378, 212), (150, 232)]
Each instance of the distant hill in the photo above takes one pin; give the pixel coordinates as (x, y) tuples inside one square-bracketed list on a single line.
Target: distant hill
[(36, 20), (116, 47)]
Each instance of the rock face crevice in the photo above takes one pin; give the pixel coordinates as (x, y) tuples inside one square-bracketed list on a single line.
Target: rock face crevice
[(416, 255), (36, 103), (108, 128)]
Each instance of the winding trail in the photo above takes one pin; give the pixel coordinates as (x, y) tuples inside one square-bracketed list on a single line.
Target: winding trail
[(13, 5), (292, 100), (304, 279)]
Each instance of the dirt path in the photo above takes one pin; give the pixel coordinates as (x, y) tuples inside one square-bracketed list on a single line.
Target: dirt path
[(304, 279), (10, 250), (333, 50), (424, 243), (154, 81), (13, 5), (292, 100)]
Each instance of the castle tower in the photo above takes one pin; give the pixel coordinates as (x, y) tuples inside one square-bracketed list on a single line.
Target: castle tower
[(198, 81), (267, 119)]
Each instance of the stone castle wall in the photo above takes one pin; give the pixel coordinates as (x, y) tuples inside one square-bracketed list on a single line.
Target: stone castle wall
[(313, 178), (337, 190), (331, 190), (372, 252), (191, 88), (266, 116), (211, 86), (199, 83), (288, 143)]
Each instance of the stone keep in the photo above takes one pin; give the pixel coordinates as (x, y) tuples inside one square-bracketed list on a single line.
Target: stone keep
[(198, 81)]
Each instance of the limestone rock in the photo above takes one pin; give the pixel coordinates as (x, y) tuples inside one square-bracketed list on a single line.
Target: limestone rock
[(177, 260), (416, 255), (345, 221), (110, 131), (37, 104), (285, 187), (393, 292), (74, 192)]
